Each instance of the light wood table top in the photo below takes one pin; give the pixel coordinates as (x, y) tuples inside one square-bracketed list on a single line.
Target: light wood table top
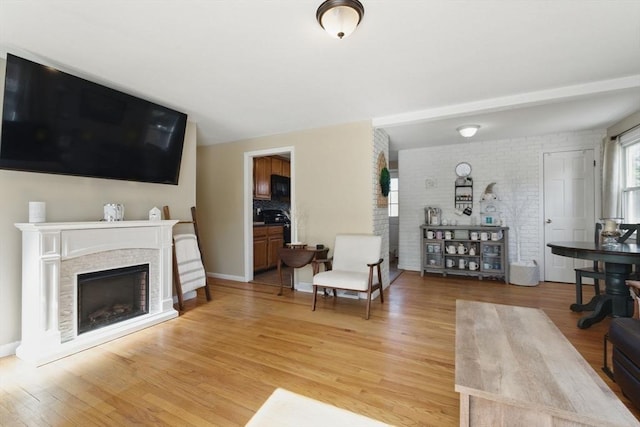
[(515, 357)]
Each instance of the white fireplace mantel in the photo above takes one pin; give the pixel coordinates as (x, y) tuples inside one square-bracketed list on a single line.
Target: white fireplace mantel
[(49, 249)]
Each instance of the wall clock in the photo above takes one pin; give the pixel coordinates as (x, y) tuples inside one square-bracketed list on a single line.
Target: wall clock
[(463, 169)]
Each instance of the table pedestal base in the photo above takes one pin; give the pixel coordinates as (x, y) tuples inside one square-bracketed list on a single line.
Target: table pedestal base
[(617, 300)]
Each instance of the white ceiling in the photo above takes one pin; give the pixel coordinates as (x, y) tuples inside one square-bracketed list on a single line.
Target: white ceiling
[(416, 68)]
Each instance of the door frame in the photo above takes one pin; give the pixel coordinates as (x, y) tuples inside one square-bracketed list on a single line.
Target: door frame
[(248, 201), (597, 178)]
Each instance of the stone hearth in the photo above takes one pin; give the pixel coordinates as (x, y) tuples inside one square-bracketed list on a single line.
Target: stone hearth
[(54, 254)]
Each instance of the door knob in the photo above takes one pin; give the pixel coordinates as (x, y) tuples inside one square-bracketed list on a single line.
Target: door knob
[(548, 221)]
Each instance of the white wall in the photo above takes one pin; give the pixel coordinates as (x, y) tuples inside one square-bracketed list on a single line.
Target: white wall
[(71, 198), (502, 161)]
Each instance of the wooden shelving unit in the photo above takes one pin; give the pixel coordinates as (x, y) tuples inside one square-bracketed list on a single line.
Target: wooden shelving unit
[(441, 251)]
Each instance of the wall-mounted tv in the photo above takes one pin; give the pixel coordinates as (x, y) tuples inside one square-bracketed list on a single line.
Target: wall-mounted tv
[(54, 122)]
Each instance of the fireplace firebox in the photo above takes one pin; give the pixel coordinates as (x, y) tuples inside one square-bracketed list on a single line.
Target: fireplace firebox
[(110, 296)]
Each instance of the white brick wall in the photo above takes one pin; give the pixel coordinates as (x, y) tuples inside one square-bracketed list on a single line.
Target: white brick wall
[(514, 164), (380, 215)]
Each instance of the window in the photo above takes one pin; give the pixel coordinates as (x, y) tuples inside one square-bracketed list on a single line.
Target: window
[(393, 198), (631, 176)]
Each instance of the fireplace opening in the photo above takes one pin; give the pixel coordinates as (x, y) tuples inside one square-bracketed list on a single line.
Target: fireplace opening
[(110, 296)]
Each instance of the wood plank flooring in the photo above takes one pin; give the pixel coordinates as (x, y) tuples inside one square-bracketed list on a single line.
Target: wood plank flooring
[(218, 362)]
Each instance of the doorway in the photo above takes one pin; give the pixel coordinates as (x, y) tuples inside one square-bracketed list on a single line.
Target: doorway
[(569, 207), (254, 205), (394, 226)]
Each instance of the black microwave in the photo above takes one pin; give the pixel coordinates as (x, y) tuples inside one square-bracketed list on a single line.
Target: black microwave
[(280, 187)]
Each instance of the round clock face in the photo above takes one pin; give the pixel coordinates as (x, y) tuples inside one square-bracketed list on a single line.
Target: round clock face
[(463, 169)]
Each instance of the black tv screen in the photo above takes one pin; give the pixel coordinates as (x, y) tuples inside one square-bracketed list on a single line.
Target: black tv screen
[(54, 122)]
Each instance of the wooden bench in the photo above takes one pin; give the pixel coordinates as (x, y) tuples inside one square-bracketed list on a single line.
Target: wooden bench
[(514, 367)]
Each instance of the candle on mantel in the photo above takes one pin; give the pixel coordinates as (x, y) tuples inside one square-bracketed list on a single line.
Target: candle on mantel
[(610, 225)]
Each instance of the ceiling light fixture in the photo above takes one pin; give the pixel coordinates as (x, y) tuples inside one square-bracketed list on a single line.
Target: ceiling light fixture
[(468, 130), (340, 18)]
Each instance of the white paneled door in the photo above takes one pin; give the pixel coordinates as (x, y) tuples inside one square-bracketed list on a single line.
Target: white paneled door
[(569, 194)]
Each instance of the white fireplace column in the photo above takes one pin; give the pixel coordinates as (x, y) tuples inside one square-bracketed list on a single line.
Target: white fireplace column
[(86, 247)]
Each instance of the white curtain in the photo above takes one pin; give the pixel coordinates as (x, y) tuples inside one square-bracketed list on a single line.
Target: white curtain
[(611, 203)]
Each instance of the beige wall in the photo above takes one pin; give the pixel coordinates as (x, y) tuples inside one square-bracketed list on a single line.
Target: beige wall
[(74, 199), (333, 180)]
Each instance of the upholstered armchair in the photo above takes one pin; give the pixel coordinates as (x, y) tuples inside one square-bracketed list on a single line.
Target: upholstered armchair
[(624, 334), (355, 266)]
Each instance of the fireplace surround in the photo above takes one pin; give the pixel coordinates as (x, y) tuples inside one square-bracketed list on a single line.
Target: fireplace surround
[(55, 255)]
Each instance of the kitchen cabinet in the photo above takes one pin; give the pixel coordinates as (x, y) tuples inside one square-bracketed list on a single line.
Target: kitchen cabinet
[(262, 178), (263, 168), (276, 166), (465, 250), (275, 236), (260, 248), (267, 239)]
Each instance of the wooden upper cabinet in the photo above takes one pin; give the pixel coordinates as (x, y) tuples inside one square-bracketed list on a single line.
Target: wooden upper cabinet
[(276, 166), (262, 178), (263, 168)]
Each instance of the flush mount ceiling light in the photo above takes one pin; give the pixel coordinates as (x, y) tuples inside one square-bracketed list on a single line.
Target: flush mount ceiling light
[(340, 17), (468, 130)]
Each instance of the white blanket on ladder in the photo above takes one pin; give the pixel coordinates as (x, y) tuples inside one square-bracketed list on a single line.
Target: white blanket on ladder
[(190, 268)]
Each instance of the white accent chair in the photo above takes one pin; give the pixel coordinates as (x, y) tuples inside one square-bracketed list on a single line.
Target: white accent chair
[(355, 256)]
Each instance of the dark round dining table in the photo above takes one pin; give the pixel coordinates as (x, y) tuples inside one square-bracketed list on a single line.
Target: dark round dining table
[(618, 261)]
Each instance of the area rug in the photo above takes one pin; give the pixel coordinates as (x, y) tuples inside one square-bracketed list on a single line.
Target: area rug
[(287, 409)]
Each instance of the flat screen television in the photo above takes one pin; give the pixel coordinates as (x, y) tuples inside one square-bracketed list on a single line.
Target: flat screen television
[(54, 122)]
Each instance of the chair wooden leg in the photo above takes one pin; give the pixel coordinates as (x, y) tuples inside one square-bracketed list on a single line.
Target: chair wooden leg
[(596, 286), (578, 288), (369, 292), (280, 275), (313, 301), (368, 312)]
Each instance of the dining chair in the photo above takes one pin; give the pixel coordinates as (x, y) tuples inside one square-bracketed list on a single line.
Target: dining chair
[(629, 230), (355, 266), (595, 272)]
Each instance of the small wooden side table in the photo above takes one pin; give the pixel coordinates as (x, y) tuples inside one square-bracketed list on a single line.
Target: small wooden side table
[(297, 256)]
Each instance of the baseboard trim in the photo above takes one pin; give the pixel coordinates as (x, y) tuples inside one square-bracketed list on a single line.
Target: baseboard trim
[(9, 349), (227, 277)]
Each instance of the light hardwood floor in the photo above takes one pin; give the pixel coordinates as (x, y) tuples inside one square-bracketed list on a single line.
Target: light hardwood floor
[(218, 362)]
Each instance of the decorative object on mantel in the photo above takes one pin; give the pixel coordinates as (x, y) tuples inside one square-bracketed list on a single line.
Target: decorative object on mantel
[(155, 214), (384, 181), (113, 212), (37, 212)]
